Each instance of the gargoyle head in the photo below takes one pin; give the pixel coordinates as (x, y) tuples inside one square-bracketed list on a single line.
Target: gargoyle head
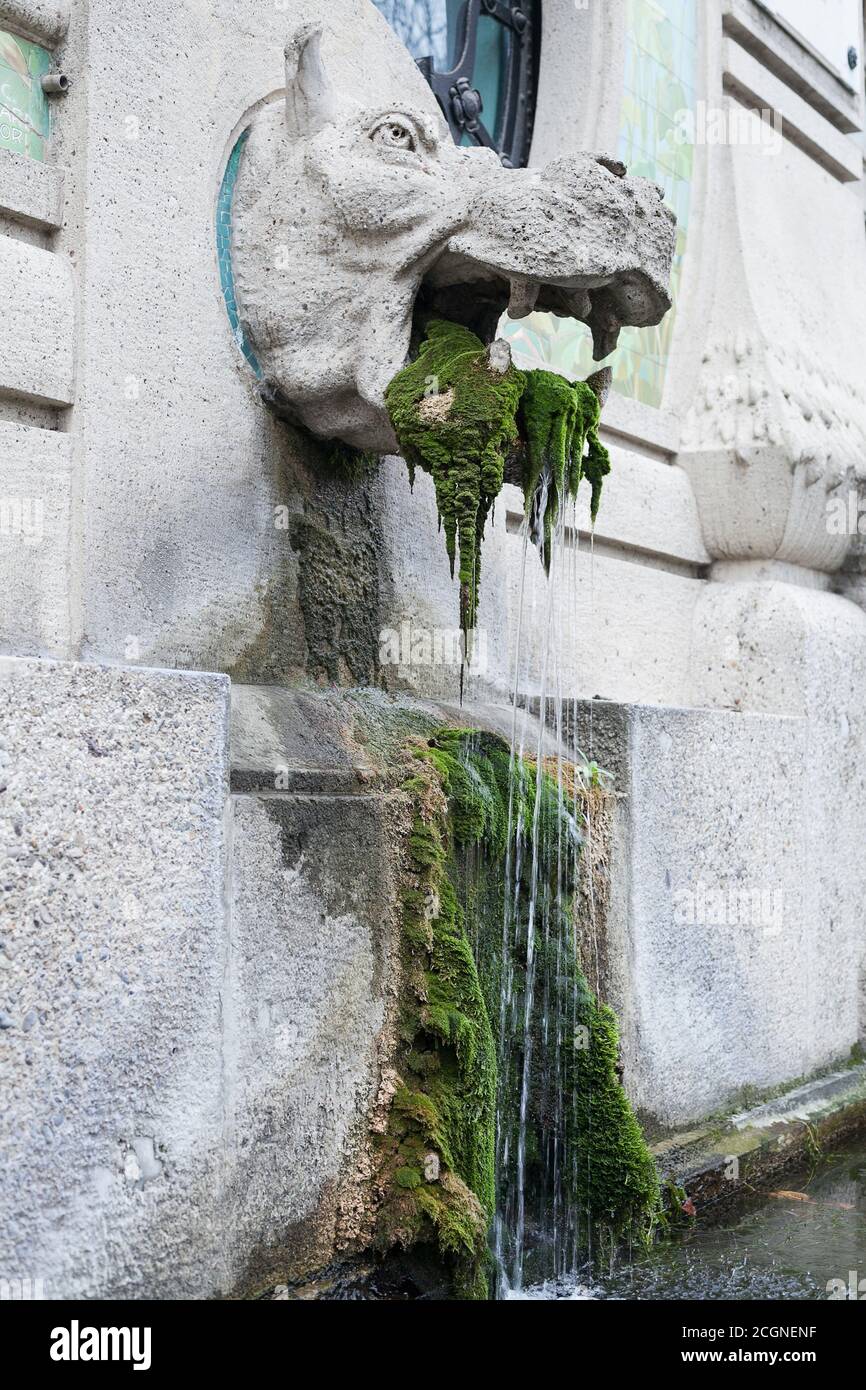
[(354, 220)]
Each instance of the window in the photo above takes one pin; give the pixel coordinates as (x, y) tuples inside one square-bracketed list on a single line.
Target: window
[(481, 59)]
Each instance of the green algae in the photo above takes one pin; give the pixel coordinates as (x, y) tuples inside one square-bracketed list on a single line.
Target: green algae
[(461, 420)]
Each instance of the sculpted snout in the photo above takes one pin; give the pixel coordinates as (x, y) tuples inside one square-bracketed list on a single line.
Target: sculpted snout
[(578, 238)]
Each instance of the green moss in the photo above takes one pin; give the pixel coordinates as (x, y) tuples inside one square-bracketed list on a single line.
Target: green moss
[(457, 419), (460, 421), (617, 1184), (672, 1212), (480, 782), (447, 1102), (559, 421), (425, 844)]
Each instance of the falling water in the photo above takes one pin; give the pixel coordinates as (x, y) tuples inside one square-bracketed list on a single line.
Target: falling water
[(537, 1224)]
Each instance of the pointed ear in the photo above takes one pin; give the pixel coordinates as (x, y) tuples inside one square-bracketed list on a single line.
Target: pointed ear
[(310, 100)]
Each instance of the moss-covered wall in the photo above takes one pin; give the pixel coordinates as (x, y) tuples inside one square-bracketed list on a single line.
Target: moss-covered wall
[(589, 1179), (320, 597)]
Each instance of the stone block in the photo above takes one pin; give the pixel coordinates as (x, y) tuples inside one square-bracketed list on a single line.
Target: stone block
[(115, 950), (38, 293), (30, 191), (36, 475)]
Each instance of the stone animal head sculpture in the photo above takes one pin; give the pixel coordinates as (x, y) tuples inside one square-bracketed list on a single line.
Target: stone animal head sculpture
[(355, 218)]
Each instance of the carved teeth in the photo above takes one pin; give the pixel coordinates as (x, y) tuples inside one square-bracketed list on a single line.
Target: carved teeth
[(601, 382), (605, 324), (524, 293)]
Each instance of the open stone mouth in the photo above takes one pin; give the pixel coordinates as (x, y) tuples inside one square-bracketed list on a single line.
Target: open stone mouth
[(476, 297)]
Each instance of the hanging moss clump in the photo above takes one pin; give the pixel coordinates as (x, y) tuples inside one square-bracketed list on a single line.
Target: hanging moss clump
[(461, 420), (456, 418), (559, 421)]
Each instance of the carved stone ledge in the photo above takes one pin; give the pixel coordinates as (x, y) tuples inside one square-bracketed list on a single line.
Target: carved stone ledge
[(768, 39)]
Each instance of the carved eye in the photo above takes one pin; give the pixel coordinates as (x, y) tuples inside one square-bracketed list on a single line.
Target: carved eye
[(394, 134)]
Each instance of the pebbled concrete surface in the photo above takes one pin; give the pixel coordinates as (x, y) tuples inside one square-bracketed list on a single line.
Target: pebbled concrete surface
[(112, 923), (195, 989)]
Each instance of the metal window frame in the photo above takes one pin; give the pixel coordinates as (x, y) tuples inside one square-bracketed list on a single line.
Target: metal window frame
[(461, 101)]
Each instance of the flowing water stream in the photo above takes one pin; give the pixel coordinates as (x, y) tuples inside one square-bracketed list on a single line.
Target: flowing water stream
[(536, 1219), (805, 1241)]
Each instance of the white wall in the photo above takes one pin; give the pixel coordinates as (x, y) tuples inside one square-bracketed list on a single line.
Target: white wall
[(831, 26)]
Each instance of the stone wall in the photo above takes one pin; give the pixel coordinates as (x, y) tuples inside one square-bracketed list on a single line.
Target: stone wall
[(194, 987), (187, 1094)]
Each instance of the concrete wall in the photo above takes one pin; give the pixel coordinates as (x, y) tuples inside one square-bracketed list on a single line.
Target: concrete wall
[(115, 950), (738, 934)]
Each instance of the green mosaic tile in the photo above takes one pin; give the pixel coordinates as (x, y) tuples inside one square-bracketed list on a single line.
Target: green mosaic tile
[(24, 112), (655, 85)]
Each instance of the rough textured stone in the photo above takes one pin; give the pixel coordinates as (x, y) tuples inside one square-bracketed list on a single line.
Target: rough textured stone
[(180, 561), (735, 927), (30, 191), (38, 292), (114, 951), (313, 939), (36, 561), (194, 998), (45, 21)]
